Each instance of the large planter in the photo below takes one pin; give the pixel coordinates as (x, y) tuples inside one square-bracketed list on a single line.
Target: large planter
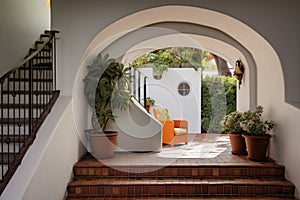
[(103, 145), (257, 146), (238, 145)]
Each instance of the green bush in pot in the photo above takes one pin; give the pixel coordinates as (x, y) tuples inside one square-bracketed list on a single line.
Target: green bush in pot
[(256, 133), (106, 88), (231, 124)]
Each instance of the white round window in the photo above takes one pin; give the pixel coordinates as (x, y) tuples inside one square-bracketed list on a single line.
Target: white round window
[(184, 88)]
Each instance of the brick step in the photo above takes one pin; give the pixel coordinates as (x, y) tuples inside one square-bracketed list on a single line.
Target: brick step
[(176, 187), (187, 198), (91, 167), (187, 171)]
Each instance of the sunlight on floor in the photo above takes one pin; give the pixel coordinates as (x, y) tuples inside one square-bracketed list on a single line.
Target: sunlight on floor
[(206, 149)]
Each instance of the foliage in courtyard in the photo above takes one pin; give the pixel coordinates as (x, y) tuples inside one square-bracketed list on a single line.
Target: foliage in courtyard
[(218, 97), (218, 94), (197, 58)]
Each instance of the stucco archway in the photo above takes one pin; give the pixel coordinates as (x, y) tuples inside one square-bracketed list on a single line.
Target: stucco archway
[(269, 76), (240, 32), (226, 26)]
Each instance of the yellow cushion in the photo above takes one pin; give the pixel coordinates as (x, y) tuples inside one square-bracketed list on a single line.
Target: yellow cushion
[(180, 131), (162, 114)]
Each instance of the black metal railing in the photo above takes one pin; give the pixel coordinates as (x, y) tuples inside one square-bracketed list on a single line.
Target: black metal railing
[(139, 86), (27, 94)]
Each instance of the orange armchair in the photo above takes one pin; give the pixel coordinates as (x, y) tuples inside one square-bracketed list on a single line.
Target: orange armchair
[(173, 131)]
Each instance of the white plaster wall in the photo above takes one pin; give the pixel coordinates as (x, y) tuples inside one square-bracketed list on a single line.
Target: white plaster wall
[(47, 166), (165, 93), (217, 46), (138, 131), (21, 24)]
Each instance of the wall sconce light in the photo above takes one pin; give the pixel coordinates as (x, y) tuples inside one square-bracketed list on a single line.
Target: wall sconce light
[(239, 71)]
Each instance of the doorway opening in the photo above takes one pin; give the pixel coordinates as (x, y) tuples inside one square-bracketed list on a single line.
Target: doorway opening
[(210, 81)]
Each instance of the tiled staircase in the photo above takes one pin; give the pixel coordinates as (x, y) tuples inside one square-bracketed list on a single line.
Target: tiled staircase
[(93, 180)]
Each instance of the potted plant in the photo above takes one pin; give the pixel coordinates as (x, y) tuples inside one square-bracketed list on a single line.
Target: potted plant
[(158, 70), (231, 125), (256, 133), (106, 89), (149, 103)]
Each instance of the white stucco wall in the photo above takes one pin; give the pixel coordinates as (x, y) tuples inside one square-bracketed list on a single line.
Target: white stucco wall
[(165, 93), (137, 130), (47, 166), (21, 24), (271, 39)]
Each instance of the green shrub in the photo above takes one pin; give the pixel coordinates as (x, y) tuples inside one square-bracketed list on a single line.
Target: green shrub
[(218, 98)]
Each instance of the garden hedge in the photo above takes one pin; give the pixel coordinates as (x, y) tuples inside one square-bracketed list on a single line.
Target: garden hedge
[(218, 98)]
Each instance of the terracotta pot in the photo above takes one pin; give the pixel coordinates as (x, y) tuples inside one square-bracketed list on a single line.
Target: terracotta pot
[(257, 146), (148, 108), (103, 145), (238, 145), (157, 76)]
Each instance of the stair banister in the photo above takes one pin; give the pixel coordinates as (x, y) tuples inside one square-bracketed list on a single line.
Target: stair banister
[(27, 93), (139, 86)]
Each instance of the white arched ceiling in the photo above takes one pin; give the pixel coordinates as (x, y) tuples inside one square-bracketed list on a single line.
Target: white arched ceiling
[(238, 31), (260, 56)]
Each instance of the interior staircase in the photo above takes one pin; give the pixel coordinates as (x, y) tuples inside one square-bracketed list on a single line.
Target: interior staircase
[(27, 94), (94, 180)]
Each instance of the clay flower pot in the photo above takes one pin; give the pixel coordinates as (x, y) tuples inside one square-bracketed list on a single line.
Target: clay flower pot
[(238, 145), (257, 146), (103, 145)]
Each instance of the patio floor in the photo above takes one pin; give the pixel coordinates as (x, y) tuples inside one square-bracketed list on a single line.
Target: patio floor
[(202, 149)]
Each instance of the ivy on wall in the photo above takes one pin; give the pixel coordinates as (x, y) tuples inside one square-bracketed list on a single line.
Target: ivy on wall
[(218, 98)]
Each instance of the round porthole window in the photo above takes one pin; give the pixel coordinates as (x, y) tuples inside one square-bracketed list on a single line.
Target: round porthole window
[(184, 89)]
